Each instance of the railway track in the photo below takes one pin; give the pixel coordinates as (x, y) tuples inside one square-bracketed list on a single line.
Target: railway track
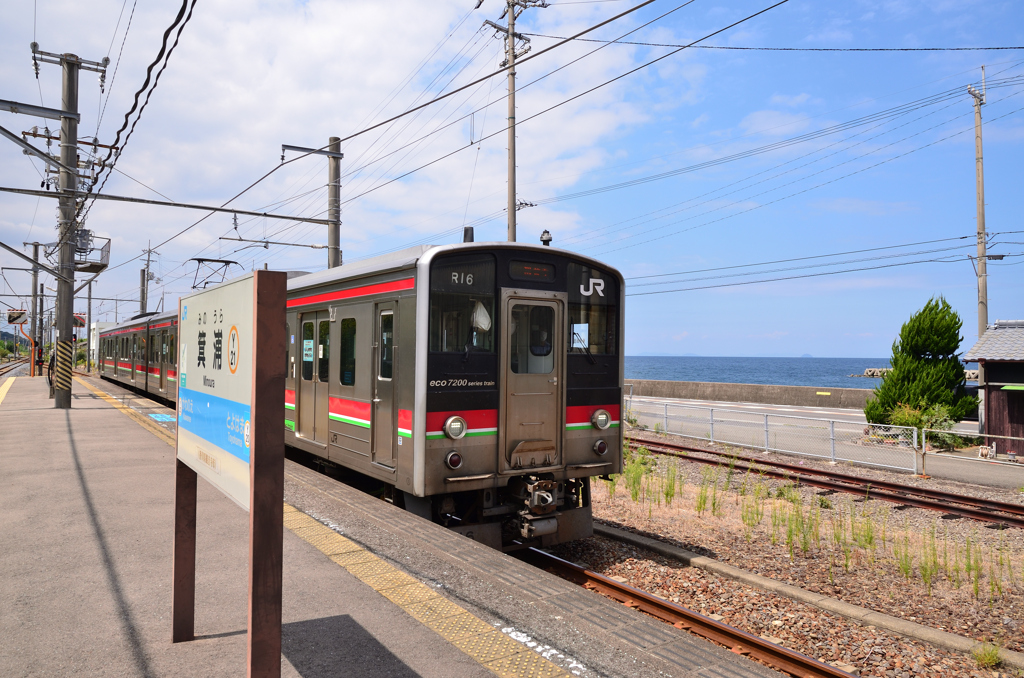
[(11, 366), (741, 642), (984, 510)]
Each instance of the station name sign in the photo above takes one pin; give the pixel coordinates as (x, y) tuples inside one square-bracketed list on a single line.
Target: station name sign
[(215, 329)]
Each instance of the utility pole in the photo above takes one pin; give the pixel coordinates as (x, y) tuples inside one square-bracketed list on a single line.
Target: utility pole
[(334, 158), (35, 312), (88, 333), (513, 9), (979, 99), (67, 230), (334, 204), (510, 57)]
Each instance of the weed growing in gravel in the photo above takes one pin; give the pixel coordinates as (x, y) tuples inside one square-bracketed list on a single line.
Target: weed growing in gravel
[(903, 555), (929, 566), (778, 518), (702, 491), (717, 499), (752, 510), (976, 569), (824, 502), (610, 483), (987, 655), (670, 483)]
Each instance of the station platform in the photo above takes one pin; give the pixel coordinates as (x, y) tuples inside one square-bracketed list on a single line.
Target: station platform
[(86, 521)]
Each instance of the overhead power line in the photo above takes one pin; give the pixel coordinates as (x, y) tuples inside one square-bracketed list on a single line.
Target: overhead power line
[(940, 260), (392, 119), (570, 99), (165, 55), (787, 49), (816, 256)]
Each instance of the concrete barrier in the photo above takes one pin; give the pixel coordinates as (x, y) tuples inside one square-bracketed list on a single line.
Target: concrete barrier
[(799, 396)]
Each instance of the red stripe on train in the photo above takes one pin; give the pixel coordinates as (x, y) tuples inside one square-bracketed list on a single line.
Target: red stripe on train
[(475, 419), (379, 288), (581, 414)]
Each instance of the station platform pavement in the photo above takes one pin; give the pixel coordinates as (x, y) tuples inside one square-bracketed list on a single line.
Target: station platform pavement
[(86, 521)]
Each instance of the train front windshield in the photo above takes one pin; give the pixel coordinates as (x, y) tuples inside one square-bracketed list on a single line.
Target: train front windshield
[(462, 305)]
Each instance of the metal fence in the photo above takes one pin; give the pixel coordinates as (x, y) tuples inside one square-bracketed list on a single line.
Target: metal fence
[(868, 444)]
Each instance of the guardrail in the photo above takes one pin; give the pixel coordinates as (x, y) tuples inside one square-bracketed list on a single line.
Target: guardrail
[(894, 447)]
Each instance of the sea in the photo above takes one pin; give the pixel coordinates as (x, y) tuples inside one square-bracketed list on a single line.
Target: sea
[(830, 372)]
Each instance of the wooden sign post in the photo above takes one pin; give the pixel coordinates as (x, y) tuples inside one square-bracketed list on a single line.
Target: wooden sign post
[(230, 431)]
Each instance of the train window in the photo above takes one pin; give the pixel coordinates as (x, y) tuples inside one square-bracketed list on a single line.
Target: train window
[(387, 344), (307, 351), (592, 329), (532, 330), (593, 318), (288, 350), (323, 351), (348, 351), (172, 353), (462, 304)]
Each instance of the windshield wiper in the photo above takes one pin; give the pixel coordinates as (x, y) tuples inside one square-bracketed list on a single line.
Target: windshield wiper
[(586, 349)]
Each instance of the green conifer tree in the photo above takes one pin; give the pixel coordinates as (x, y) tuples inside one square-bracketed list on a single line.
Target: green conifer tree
[(926, 369)]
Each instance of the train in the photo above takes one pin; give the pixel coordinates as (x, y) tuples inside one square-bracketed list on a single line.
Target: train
[(479, 385)]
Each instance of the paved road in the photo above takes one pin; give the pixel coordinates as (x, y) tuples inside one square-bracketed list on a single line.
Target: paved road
[(836, 414)]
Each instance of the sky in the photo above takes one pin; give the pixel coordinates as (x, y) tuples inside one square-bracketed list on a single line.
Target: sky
[(818, 176)]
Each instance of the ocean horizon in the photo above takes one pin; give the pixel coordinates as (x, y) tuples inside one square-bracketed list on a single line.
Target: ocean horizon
[(805, 371)]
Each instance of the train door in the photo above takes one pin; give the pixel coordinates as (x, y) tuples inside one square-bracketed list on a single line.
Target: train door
[(533, 353), (314, 377), (384, 373), (164, 359), (135, 357)]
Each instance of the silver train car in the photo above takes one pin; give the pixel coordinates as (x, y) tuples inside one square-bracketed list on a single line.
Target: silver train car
[(480, 384)]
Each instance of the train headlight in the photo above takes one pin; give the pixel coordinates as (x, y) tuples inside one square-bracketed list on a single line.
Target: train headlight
[(601, 419), (453, 460), (600, 447), (455, 427)]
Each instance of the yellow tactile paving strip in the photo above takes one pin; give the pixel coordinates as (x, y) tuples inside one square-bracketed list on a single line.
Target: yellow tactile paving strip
[(5, 388), (153, 428), (481, 641)]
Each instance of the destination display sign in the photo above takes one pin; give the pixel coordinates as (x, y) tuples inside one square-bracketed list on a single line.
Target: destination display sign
[(215, 385)]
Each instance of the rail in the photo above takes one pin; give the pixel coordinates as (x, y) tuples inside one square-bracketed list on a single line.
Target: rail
[(935, 500), (739, 641)]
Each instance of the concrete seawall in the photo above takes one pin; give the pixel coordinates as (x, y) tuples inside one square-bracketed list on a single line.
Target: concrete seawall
[(800, 396)]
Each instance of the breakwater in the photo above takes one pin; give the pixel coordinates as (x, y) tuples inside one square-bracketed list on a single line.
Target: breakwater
[(768, 394)]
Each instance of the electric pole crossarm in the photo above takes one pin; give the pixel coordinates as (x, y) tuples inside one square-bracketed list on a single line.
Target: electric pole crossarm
[(315, 151), (37, 111), (33, 150), (35, 263), (160, 203)]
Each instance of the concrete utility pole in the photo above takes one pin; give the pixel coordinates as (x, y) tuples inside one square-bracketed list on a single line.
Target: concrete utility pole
[(88, 333), (66, 231), (982, 269), (334, 204), (335, 157), (35, 310), (979, 99), (510, 57), (513, 9)]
